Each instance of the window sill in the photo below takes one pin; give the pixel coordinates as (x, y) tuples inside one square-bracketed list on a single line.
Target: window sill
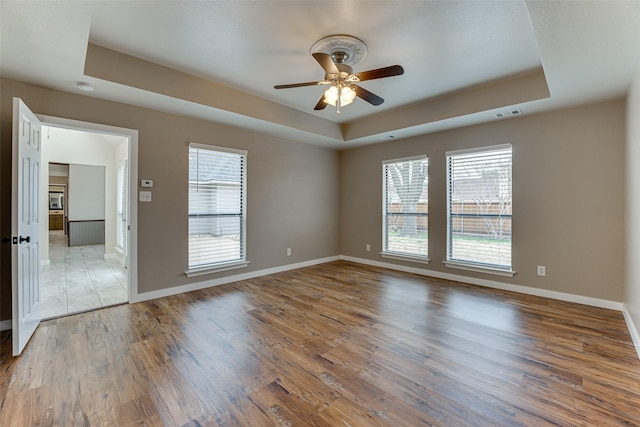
[(215, 268), (402, 257), (480, 269)]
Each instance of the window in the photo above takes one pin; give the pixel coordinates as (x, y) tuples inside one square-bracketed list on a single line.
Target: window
[(217, 214), (479, 208), (405, 208)]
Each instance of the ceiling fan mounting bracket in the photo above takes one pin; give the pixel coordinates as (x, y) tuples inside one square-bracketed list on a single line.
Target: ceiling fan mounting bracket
[(342, 48)]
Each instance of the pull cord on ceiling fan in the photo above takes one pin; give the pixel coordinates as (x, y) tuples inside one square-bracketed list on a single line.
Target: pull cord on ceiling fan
[(337, 55)]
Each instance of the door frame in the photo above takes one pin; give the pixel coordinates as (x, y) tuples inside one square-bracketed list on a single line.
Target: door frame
[(132, 208)]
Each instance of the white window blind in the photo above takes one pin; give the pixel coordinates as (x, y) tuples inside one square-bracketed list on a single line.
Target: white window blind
[(405, 207), (217, 200), (479, 207), (121, 202)]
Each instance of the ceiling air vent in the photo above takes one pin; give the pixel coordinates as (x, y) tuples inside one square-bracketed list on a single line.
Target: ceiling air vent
[(509, 113)]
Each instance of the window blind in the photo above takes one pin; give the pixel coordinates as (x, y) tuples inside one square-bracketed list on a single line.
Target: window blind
[(217, 200), (479, 206), (405, 207)]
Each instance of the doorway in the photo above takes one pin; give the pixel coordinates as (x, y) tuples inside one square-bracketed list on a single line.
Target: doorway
[(78, 274)]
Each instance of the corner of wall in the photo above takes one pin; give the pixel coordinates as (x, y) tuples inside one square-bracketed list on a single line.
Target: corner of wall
[(633, 331), (632, 209)]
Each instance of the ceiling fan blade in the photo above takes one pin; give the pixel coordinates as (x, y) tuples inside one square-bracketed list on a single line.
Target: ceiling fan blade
[(321, 105), (289, 86), (370, 97), (379, 73), (326, 63)]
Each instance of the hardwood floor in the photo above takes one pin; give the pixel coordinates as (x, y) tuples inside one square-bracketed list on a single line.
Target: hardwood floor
[(337, 344)]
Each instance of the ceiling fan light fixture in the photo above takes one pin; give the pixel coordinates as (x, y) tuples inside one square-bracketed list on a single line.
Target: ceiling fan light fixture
[(346, 94)]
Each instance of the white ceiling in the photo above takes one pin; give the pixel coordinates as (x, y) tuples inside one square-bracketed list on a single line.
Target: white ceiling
[(238, 50), (56, 133)]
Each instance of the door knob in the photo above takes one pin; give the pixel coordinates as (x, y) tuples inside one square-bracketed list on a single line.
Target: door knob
[(25, 239), (6, 240)]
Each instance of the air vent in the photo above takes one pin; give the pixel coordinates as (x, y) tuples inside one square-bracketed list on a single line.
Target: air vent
[(508, 113)]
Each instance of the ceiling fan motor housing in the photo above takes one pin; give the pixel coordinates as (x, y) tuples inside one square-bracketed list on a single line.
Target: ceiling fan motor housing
[(345, 72)]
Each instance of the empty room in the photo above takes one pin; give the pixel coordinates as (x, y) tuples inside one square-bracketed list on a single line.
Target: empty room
[(320, 213)]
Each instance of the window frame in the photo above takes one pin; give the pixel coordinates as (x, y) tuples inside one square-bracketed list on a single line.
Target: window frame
[(404, 256), (201, 269), (487, 267)]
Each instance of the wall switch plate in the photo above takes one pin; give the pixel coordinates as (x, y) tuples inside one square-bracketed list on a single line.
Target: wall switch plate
[(146, 183), (368, 248), (145, 196), (542, 270), (288, 251)]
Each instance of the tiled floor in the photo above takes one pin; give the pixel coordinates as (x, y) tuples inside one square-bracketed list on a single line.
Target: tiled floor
[(79, 278)]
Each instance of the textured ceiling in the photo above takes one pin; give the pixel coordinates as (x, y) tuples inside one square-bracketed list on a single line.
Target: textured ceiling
[(464, 61)]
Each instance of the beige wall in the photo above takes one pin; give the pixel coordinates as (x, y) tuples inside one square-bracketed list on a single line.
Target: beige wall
[(632, 279), (568, 179), (293, 188), (568, 197)]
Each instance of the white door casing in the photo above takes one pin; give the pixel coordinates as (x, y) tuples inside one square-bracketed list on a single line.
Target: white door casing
[(132, 193), (25, 225)]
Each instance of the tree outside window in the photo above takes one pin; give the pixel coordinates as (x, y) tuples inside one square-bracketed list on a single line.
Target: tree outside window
[(406, 207)]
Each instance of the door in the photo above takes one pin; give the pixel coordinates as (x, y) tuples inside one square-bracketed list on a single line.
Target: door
[(25, 225)]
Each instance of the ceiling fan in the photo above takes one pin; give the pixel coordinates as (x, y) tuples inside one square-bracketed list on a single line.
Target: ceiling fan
[(336, 55)]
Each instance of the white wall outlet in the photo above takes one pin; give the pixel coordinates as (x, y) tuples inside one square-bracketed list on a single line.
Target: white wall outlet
[(288, 251), (148, 183), (145, 196), (542, 270), (368, 248)]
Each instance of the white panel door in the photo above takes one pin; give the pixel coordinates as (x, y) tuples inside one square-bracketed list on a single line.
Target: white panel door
[(25, 225)]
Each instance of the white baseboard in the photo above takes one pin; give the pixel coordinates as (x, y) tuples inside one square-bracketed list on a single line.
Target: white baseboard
[(595, 302), (228, 279), (633, 331)]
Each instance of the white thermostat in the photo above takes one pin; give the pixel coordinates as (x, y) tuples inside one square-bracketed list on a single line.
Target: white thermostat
[(146, 183)]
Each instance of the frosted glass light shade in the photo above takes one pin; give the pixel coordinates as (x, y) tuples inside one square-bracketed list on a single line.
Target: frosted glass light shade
[(346, 98)]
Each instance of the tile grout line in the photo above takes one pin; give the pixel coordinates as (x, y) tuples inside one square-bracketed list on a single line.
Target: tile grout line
[(86, 260)]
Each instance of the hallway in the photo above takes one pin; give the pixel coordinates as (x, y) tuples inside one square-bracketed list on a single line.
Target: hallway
[(79, 279)]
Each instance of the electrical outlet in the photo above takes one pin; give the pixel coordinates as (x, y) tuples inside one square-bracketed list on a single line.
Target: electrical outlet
[(288, 251), (542, 270), (368, 247)]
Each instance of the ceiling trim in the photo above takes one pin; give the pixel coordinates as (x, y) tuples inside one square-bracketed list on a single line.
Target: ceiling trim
[(518, 89), (117, 67), (120, 68)]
